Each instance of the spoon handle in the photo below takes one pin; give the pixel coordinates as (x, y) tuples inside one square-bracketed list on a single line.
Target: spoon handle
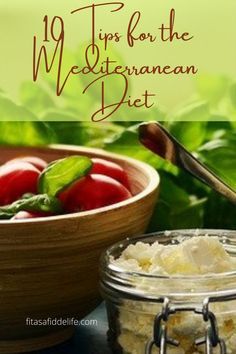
[(157, 139)]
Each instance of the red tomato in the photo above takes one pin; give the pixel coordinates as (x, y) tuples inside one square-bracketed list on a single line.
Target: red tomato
[(111, 169), (93, 191), (27, 215), (16, 179), (40, 164)]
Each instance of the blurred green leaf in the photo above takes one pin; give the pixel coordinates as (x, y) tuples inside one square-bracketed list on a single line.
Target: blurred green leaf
[(10, 111), (212, 87), (176, 209), (219, 213), (34, 96), (233, 94), (82, 133), (127, 143), (195, 111), (217, 129), (191, 185), (19, 126), (220, 156), (190, 134), (25, 133), (59, 115)]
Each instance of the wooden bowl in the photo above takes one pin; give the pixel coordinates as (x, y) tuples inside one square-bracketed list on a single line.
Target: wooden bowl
[(49, 266)]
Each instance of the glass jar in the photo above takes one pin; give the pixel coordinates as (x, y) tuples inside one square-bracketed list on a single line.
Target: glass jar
[(175, 314)]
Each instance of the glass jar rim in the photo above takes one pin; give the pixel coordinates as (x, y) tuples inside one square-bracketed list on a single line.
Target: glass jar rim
[(119, 279), (169, 233)]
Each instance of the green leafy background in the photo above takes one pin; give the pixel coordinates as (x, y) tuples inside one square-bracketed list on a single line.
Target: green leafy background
[(205, 124)]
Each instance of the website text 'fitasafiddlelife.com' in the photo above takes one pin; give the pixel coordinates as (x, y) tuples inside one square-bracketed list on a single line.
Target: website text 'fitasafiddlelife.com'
[(60, 322)]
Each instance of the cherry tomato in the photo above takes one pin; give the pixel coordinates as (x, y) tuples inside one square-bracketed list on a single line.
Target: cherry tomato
[(93, 191), (27, 215), (16, 179), (40, 164), (111, 169)]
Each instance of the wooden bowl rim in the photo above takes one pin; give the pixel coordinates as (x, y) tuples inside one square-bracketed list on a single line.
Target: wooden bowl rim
[(154, 182)]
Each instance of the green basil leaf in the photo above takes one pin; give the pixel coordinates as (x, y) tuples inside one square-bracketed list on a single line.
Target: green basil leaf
[(36, 203), (61, 173)]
